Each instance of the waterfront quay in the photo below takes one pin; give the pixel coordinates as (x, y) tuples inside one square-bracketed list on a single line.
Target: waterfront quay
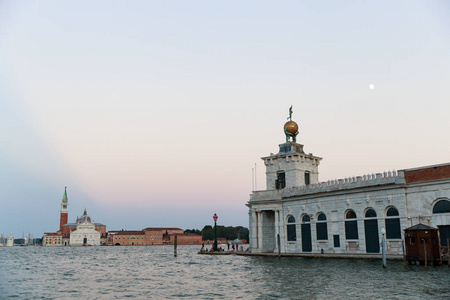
[(310, 255)]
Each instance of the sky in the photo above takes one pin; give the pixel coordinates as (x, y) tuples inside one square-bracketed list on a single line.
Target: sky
[(156, 113)]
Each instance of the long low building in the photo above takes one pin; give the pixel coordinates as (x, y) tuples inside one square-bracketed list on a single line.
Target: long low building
[(152, 236), (345, 215)]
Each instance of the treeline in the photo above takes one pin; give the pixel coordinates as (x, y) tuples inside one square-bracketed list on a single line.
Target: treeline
[(228, 232)]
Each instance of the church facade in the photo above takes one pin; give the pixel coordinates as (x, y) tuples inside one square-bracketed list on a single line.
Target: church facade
[(346, 215), (82, 233)]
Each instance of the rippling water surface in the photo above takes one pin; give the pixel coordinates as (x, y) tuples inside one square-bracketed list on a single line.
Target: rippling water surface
[(154, 273)]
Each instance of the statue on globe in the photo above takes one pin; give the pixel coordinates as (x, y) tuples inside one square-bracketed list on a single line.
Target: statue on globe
[(291, 128)]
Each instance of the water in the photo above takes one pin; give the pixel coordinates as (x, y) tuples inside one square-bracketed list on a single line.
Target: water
[(153, 273)]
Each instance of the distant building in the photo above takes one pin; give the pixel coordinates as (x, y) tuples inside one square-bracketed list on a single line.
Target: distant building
[(345, 215), (127, 238), (152, 236), (183, 239), (83, 232), (52, 239), (10, 241)]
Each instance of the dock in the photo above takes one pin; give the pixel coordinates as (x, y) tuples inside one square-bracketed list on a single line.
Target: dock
[(310, 255)]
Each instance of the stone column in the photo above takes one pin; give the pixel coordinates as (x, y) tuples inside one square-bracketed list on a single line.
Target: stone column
[(260, 231), (254, 238), (276, 229), (282, 230)]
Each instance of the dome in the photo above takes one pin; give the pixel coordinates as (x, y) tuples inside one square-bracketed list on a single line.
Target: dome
[(291, 127), (84, 218)]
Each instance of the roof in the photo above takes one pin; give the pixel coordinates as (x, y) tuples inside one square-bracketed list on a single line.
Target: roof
[(427, 167), (65, 194), (185, 234), (52, 234), (160, 228), (75, 224), (129, 232), (420, 226)]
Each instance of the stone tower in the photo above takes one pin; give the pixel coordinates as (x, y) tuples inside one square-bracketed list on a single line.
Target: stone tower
[(291, 166), (64, 210)]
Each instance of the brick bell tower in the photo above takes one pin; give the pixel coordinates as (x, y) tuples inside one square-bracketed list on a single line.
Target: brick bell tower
[(64, 210)]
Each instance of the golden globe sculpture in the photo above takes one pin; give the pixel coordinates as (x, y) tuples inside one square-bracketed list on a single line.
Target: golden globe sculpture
[(291, 127)]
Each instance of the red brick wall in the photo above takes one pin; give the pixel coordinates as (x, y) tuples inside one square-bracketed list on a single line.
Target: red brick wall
[(153, 237), (426, 174), (63, 220), (185, 239)]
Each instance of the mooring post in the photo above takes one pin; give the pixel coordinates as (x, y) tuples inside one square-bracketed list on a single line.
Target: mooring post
[(278, 243), (383, 247), (448, 252), (175, 247), (425, 250), (404, 256)]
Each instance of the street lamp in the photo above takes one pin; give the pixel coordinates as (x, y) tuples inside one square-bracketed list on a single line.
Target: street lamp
[(215, 217)]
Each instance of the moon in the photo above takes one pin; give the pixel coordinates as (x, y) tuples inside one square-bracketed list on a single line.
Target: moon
[(371, 86)]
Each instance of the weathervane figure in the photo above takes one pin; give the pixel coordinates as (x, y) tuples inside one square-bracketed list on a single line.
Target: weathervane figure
[(291, 128), (290, 113)]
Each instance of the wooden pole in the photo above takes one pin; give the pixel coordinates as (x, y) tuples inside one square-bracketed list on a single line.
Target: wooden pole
[(383, 250), (404, 256), (425, 250), (279, 244), (448, 252), (175, 247)]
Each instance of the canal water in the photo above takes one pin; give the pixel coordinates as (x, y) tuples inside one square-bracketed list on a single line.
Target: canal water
[(153, 273)]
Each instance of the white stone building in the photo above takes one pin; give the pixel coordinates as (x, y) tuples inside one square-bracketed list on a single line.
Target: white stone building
[(85, 232), (345, 215), (10, 241)]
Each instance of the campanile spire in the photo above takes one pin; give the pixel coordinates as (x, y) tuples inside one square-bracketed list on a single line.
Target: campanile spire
[(64, 210)]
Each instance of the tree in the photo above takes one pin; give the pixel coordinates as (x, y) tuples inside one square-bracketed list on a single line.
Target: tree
[(243, 233), (207, 233), (196, 231)]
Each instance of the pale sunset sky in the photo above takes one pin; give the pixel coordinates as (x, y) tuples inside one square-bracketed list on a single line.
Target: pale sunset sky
[(153, 113)]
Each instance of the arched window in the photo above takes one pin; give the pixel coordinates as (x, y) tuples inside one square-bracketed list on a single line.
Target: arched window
[(370, 213), (291, 231), (321, 227), (392, 212), (306, 219), (351, 226), (350, 215), (441, 207), (392, 222)]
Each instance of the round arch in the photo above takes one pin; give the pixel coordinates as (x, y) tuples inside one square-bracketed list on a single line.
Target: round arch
[(305, 218), (290, 219), (350, 214), (370, 212), (321, 216), (441, 206), (391, 211)]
